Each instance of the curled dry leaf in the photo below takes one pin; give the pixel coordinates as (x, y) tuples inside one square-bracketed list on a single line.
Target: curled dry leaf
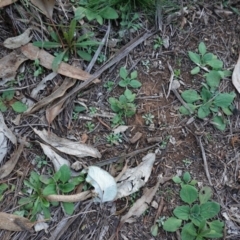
[(4, 3), (135, 178), (46, 6), (7, 168), (103, 183), (9, 66), (12, 222), (41, 225), (56, 94), (66, 146), (7, 132), (236, 75), (46, 59), (18, 41), (120, 129), (56, 159)]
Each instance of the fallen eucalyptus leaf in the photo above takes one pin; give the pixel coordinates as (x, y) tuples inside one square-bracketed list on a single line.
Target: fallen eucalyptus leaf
[(236, 75), (66, 146), (18, 41), (103, 183), (46, 6), (135, 178), (12, 222)]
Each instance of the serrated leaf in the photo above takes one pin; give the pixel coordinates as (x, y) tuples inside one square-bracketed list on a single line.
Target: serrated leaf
[(209, 209), (135, 84), (224, 100), (68, 207), (205, 94), (202, 48), (172, 224), (134, 75), (195, 70), (219, 123), (67, 187), (188, 194), (182, 212), (123, 72), (194, 57), (19, 107), (123, 82), (217, 226), (190, 96), (183, 110), (188, 232), (205, 194), (208, 57), (129, 95)]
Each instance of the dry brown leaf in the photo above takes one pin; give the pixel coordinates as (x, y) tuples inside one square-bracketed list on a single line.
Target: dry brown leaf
[(7, 168), (46, 60), (18, 41), (67, 146), (236, 75), (12, 222), (67, 83), (9, 65), (4, 3), (46, 6)]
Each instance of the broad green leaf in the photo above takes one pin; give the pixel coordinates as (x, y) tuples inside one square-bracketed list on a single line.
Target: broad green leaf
[(227, 111), (3, 107), (183, 110), (204, 111), (54, 36), (77, 180), (24, 201), (99, 19), (213, 234), (182, 212), (224, 100), (208, 57), (47, 45), (57, 60), (217, 226), (108, 13), (123, 72), (215, 63), (45, 202), (209, 209), (3, 187), (46, 212), (129, 95), (194, 57), (213, 78), (219, 123), (90, 15), (79, 13), (124, 82), (177, 179), (65, 173), (66, 187), (19, 107), (135, 84), (79, 109), (84, 55), (172, 224), (188, 232), (205, 194), (123, 99), (195, 70), (186, 177), (190, 96), (195, 209), (134, 75), (188, 194), (154, 230), (227, 73), (57, 175), (205, 94), (49, 189), (30, 185), (114, 104), (68, 207), (46, 179), (202, 48), (8, 95)]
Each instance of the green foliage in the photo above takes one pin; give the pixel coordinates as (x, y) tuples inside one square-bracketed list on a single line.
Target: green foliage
[(158, 42), (39, 186), (6, 99), (40, 161), (194, 218), (109, 85), (148, 117), (90, 126), (76, 110), (3, 188), (92, 110), (114, 138), (209, 102), (128, 81), (38, 70), (66, 38)]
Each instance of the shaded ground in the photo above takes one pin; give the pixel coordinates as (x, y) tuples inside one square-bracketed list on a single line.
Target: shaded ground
[(178, 137)]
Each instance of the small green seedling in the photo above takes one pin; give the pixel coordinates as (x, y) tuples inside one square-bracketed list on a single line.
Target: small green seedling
[(177, 73), (128, 81), (114, 138), (90, 126), (109, 85), (66, 39), (159, 223), (187, 162), (76, 110), (39, 186), (38, 70), (146, 63), (40, 161), (148, 118), (158, 42), (3, 188), (92, 110), (6, 99), (193, 218)]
